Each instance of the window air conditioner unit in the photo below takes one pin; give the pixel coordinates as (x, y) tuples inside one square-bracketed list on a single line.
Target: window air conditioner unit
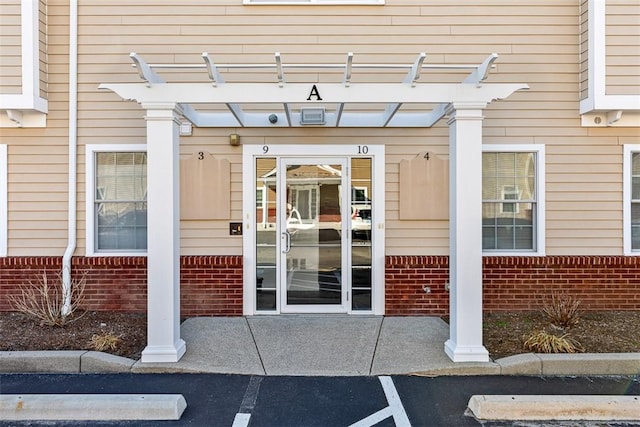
[(312, 116)]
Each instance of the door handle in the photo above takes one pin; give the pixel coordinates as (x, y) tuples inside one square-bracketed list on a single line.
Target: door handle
[(287, 242)]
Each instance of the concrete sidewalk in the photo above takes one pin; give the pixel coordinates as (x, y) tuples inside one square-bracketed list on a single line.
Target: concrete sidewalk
[(321, 345)]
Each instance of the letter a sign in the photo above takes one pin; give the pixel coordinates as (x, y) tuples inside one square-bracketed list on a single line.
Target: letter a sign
[(314, 92)]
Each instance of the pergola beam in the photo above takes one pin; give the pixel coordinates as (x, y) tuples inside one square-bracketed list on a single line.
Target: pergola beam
[(480, 74), (212, 70), (476, 77), (389, 112), (414, 74), (152, 78), (317, 94), (411, 78), (280, 77), (279, 69), (287, 114), (216, 78), (346, 81), (145, 71), (332, 93)]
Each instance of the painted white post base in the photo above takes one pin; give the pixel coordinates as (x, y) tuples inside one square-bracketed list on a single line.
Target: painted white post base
[(158, 354), (460, 353)]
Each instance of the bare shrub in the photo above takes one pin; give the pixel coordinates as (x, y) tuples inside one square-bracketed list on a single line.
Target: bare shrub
[(105, 341), (562, 310), (546, 342), (43, 299)]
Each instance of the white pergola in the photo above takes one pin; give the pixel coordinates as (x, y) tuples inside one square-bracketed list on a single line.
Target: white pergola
[(313, 104)]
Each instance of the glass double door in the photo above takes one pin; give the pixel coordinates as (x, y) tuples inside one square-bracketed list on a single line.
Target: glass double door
[(303, 213)]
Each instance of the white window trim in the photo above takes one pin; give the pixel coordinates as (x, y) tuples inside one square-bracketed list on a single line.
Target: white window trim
[(90, 179), (629, 149), (3, 200), (597, 98), (314, 2), (540, 225), (27, 107)]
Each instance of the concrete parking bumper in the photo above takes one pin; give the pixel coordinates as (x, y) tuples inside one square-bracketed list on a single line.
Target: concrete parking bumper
[(81, 407), (555, 407)]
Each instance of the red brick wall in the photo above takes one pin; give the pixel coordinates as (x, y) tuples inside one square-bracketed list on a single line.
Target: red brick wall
[(515, 283), (210, 286), (405, 280), (113, 283), (522, 283), (16, 271)]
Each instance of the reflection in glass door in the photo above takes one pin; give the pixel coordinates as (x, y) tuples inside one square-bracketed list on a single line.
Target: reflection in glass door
[(266, 242), (361, 248), (311, 234)]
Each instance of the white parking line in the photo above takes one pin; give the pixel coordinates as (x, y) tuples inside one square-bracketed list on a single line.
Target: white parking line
[(395, 408), (248, 402), (399, 414), (241, 420), (374, 418)]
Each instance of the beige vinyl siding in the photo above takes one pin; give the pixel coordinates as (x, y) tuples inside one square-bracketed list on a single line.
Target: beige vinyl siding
[(584, 199), (37, 197), (10, 47), (212, 237), (623, 47), (403, 236), (538, 42)]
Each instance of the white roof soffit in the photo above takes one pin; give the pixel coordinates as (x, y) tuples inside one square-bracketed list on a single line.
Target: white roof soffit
[(329, 97)]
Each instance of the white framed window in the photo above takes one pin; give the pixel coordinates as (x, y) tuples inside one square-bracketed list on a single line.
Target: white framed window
[(3, 200), (513, 194), (631, 199), (359, 195), (116, 199), (316, 2), (513, 199), (260, 196)]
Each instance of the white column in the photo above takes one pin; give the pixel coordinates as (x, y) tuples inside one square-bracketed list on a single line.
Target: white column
[(163, 235), (465, 233)]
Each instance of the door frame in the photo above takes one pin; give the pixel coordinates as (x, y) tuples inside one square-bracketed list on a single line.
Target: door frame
[(377, 155), (345, 211)]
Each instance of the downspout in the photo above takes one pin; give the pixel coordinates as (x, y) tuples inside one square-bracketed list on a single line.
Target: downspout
[(73, 151)]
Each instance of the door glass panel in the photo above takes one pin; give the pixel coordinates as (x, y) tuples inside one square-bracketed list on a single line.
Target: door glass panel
[(361, 233), (302, 257), (312, 241), (266, 253)]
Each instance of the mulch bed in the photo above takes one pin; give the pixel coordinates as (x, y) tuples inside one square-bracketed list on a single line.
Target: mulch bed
[(598, 332)]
